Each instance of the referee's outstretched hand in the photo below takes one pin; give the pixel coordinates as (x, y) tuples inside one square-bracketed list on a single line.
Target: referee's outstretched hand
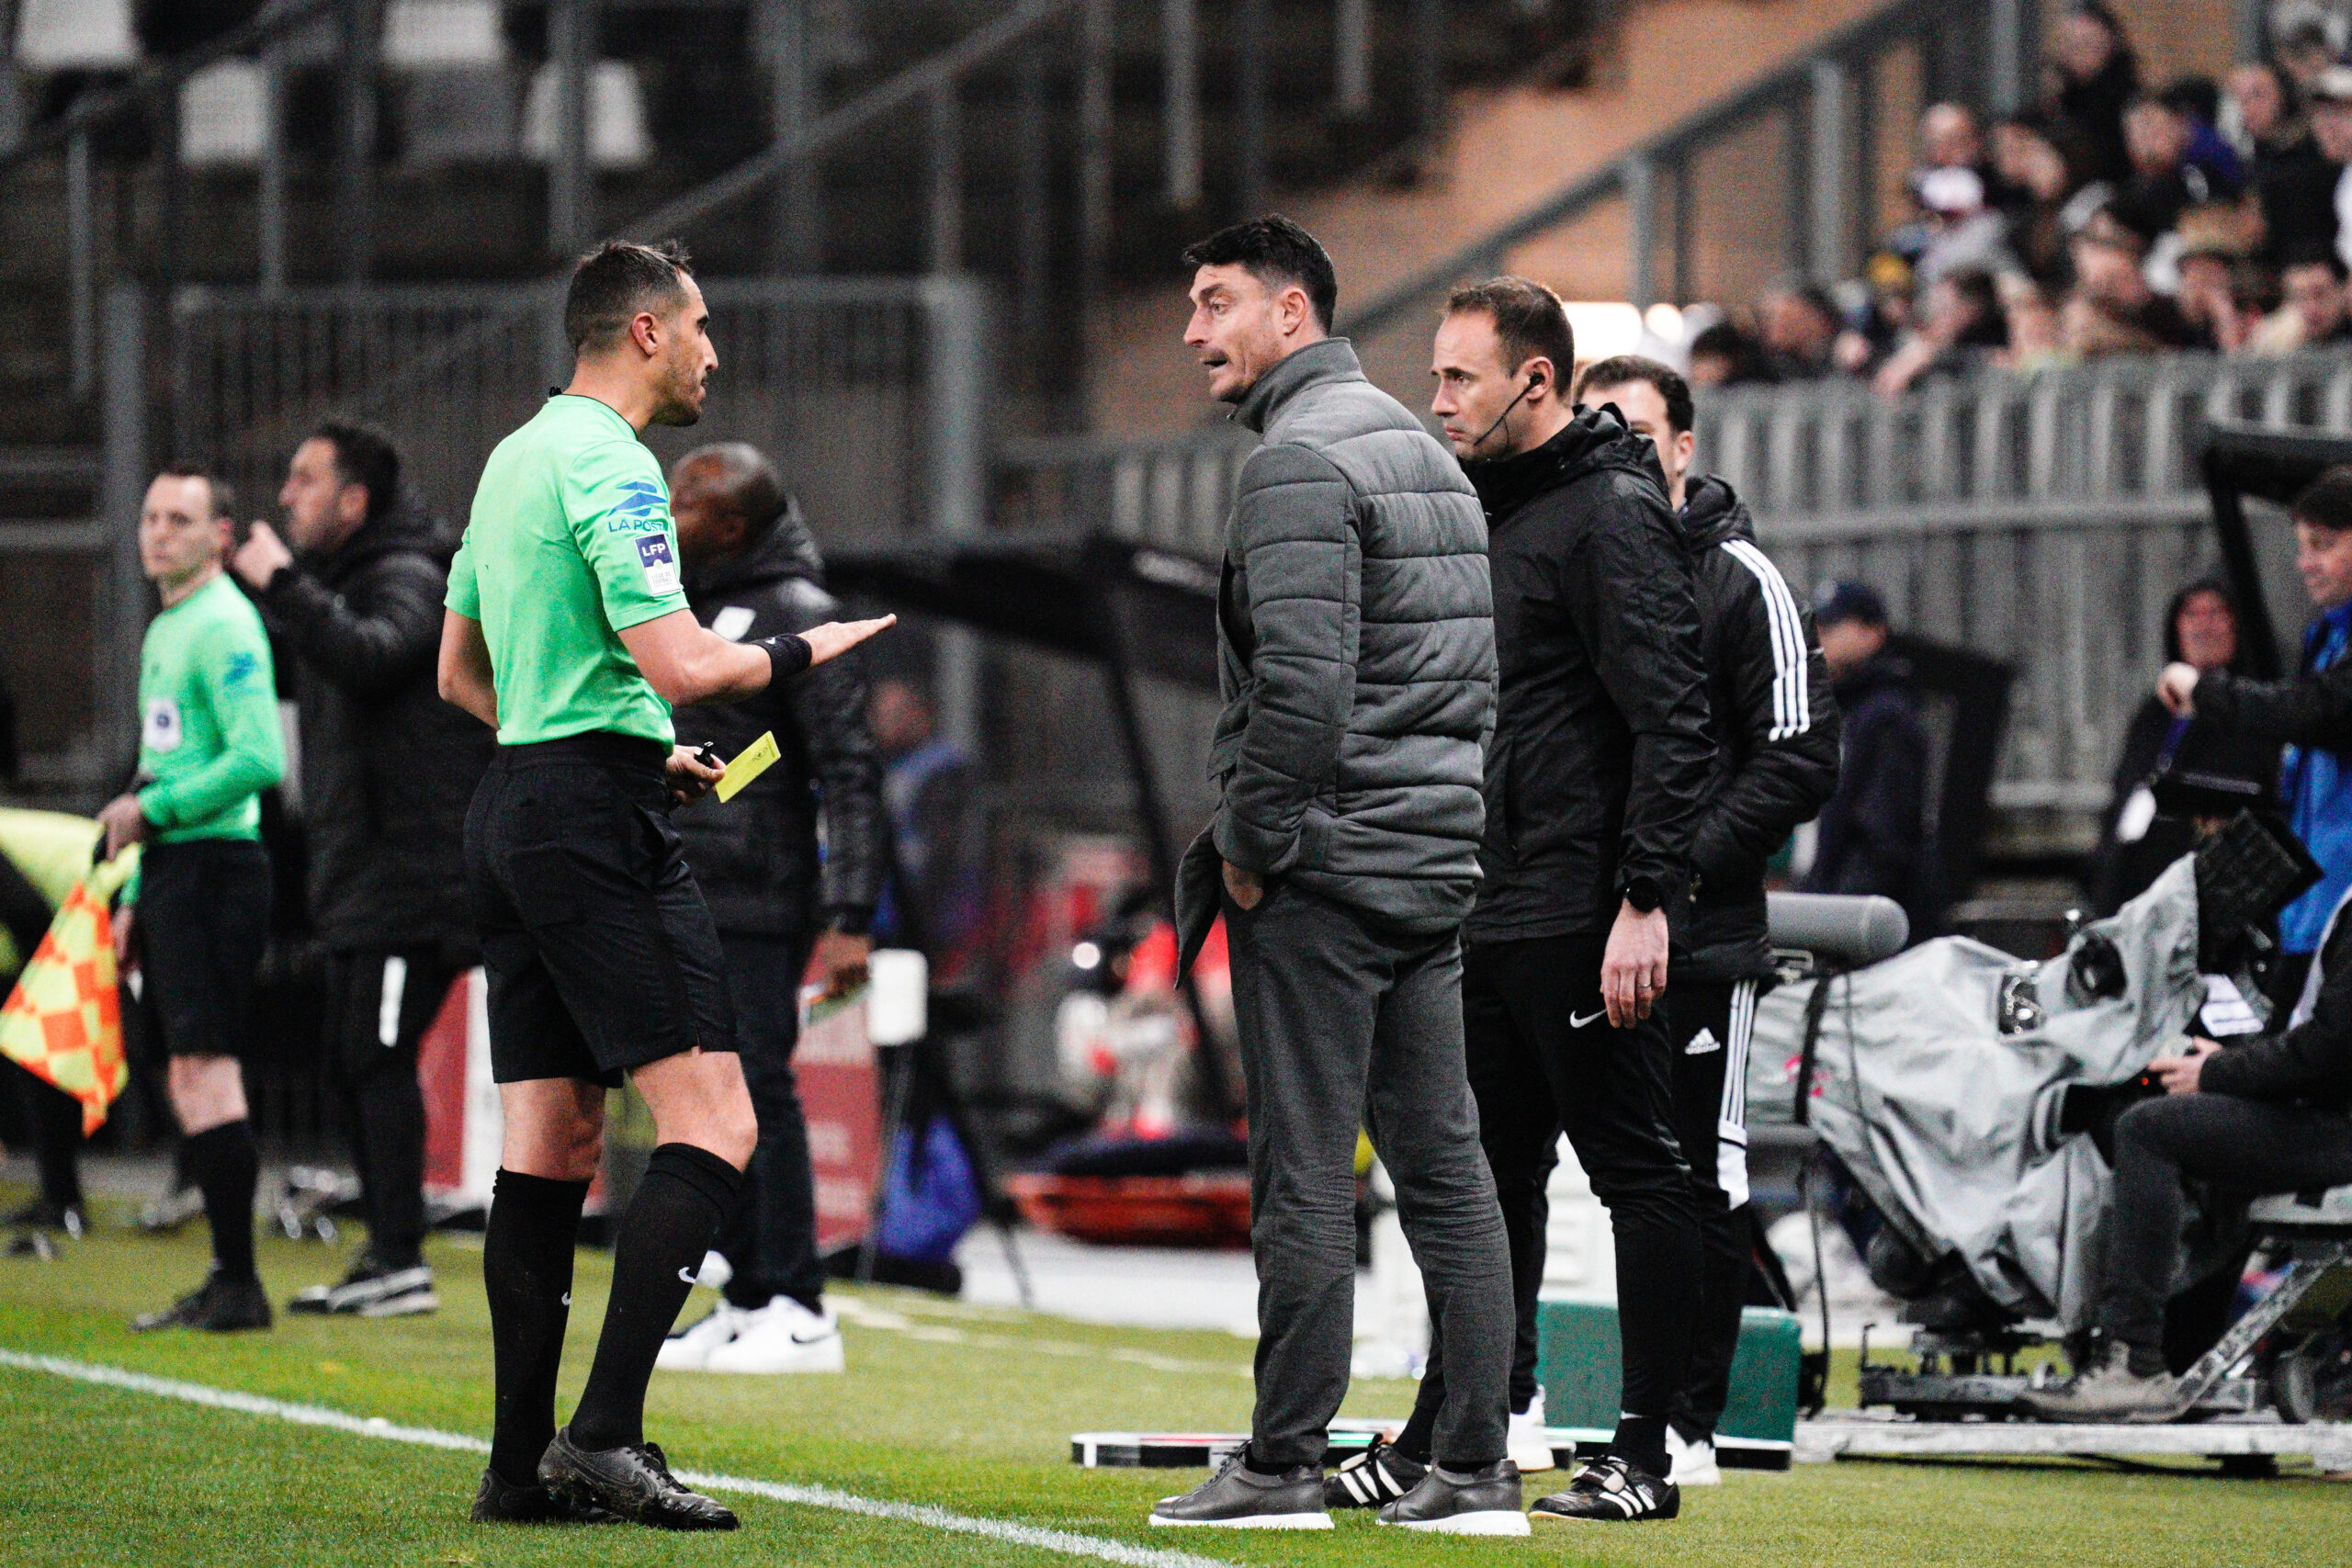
[(836, 637)]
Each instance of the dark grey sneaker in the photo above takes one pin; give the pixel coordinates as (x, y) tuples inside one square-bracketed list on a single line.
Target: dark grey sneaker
[(1374, 1478), (1453, 1502), (220, 1305), (2109, 1390), (1613, 1489), (500, 1502), (1237, 1497), (633, 1482)]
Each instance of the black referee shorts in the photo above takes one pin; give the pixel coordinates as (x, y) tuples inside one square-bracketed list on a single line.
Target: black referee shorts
[(601, 952), (202, 919)]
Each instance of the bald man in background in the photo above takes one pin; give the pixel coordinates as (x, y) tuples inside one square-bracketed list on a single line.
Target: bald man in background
[(752, 570)]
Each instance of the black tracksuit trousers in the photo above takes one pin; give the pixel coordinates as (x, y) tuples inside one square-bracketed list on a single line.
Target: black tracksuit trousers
[(1542, 1059), (1708, 1025)]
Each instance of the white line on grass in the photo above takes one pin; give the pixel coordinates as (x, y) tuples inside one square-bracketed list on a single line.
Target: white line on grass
[(1068, 1542)]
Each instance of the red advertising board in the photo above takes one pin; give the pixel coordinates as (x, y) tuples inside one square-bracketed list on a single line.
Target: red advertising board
[(841, 1096)]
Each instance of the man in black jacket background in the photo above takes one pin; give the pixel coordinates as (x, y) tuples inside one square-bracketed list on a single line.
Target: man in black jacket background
[(387, 770), (752, 570), (1776, 763), (1596, 780), (1874, 833)]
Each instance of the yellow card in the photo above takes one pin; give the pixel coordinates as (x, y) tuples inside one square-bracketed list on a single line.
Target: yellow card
[(757, 759)]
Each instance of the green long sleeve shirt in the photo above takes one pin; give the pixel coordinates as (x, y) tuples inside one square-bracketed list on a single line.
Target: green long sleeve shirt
[(208, 741)]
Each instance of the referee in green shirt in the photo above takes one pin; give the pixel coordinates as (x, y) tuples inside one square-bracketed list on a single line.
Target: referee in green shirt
[(209, 744), (566, 629)]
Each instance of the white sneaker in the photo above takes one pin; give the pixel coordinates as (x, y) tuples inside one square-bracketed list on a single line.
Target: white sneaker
[(1694, 1463), (1528, 1447), (689, 1350), (782, 1337)]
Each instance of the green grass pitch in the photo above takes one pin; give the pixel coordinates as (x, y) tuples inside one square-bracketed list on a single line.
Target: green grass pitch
[(966, 1409)]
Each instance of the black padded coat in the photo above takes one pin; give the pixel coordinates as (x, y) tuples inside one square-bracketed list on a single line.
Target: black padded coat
[(1601, 757)]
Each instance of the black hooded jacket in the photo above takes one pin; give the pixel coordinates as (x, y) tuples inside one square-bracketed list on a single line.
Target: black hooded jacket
[(1599, 768), (756, 857), (1874, 832), (1776, 736), (387, 768)]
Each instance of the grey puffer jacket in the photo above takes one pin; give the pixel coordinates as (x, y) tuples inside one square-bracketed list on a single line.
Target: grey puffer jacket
[(1356, 655)]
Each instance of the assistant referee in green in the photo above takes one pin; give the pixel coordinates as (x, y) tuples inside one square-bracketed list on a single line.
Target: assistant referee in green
[(568, 631)]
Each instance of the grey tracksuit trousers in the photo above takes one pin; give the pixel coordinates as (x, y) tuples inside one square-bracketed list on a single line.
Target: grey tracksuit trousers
[(1346, 1021)]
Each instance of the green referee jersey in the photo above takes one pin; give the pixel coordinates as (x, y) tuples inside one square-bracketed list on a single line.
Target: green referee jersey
[(209, 738), (570, 544)]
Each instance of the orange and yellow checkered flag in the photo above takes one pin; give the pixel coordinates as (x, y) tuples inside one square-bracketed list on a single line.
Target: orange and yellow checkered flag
[(63, 1021)]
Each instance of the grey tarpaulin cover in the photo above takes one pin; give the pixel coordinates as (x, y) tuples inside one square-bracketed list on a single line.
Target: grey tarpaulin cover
[(1952, 1126)]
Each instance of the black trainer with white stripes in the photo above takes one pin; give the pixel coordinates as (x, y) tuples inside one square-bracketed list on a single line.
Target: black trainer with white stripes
[(1611, 1490), (1372, 1479)]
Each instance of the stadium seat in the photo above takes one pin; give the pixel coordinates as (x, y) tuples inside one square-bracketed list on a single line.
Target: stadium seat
[(617, 137), (2328, 1212), (76, 35), (437, 34), (223, 113)]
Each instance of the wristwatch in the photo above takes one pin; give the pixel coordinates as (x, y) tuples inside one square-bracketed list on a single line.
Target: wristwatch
[(1644, 893)]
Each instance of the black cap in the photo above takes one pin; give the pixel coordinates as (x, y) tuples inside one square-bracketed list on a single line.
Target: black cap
[(1838, 602)]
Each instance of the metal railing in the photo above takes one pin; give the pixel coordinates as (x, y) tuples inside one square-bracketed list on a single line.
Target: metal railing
[(2043, 519), (802, 362), (871, 393)]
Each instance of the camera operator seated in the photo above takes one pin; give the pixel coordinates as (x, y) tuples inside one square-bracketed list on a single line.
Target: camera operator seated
[(2270, 1114)]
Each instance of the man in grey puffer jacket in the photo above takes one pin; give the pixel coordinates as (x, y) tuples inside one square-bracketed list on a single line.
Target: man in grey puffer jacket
[(1357, 654)]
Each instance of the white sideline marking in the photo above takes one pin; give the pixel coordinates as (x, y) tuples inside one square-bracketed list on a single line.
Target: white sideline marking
[(1068, 1542)]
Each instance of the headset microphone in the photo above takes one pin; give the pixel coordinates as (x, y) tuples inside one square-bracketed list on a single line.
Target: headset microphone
[(1534, 379)]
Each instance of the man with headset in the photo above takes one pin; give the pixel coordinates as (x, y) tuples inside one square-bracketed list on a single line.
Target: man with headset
[(1595, 781)]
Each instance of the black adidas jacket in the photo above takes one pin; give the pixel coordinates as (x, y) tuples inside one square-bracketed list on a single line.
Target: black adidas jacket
[(1776, 736), (1598, 771)]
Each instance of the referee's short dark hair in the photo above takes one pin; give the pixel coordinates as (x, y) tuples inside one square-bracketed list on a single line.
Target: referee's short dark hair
[(1275, 251), (364, 455), (223, 493), (616, 281), (1665, 378), (1529, 319), (2326, 502)]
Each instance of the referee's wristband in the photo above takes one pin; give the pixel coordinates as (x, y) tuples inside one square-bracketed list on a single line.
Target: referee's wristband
[(787, 656)]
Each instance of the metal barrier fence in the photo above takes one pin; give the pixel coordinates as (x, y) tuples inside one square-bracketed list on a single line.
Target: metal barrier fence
[(867, 392), (2045, 519), (871, 395)]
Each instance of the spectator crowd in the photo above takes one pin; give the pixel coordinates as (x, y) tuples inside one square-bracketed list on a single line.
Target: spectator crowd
[(2118, 215)]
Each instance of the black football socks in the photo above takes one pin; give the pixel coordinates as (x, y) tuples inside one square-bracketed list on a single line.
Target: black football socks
[(526, 1272), (226, 1168), (676, 1214)]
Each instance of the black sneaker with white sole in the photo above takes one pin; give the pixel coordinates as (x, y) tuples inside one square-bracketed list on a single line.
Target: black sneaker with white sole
[(499, 1500), (1611, 1490), (374, 1287), (633, 1481), (1237, 1497), (1448, 1502), (220, 1305), (1374, 1478), (40, 1214)]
